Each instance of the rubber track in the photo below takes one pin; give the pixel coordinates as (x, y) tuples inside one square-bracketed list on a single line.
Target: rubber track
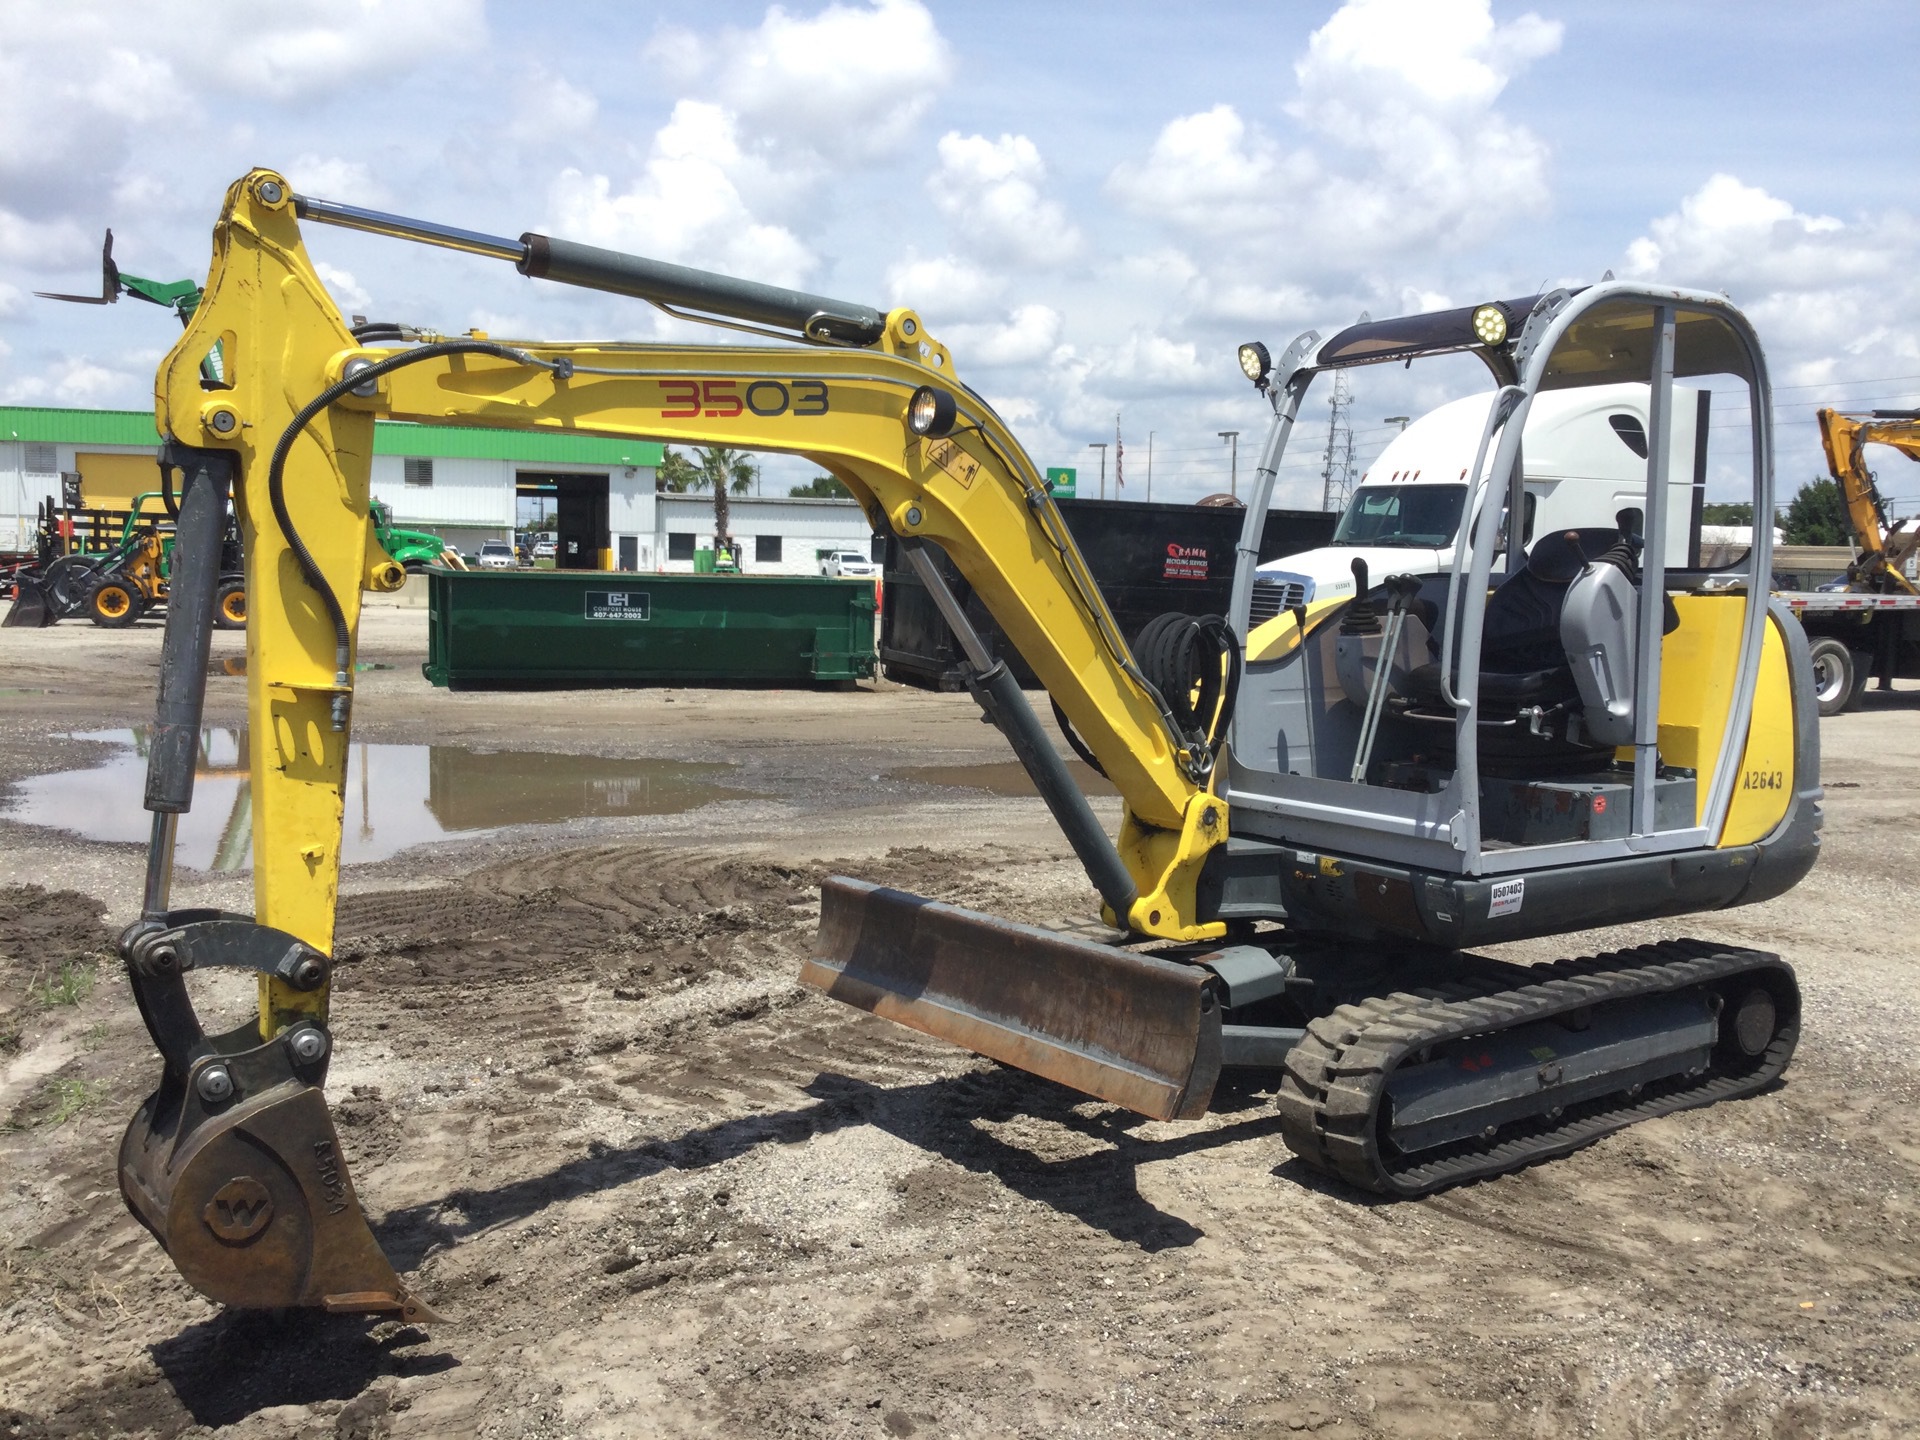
[(1336, 1077)]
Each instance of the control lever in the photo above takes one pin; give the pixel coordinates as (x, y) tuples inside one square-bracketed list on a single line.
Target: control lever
[(1360, 618), (1401, 590)]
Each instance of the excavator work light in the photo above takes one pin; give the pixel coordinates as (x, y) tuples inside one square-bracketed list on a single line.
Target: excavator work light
[(1255, 361), (1490, 324), (931, 412)]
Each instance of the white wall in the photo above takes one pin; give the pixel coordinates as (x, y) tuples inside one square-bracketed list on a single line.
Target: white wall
[(805, 528), (465, 493), (21, 493)]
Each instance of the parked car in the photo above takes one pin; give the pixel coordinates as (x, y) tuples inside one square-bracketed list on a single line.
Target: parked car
[(496, 555), (543, 550), (849, 565)]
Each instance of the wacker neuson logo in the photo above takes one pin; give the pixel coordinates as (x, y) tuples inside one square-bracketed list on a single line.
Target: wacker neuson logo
[(617, 605)]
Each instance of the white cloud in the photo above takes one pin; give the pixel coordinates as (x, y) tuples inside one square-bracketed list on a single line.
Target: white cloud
[(849, 83), (57, 247), (1409, 153), (332, 178), (951, 289), (77, 381), (1027, 336), (686, 206), (546, 106), (78, 80), (348, 294), (1729, 235), (989, 190)]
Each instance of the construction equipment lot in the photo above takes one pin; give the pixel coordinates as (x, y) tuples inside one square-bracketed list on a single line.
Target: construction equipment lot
[(657, 1188)]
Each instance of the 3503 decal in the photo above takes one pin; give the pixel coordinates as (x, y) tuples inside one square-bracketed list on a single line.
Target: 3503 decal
[(726, 399)]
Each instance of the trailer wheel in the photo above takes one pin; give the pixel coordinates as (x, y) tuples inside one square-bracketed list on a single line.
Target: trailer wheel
[(1835, 681), (230, 605), (114, 604)]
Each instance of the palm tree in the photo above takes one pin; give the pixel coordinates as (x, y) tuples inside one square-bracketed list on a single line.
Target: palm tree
[(722, 469)]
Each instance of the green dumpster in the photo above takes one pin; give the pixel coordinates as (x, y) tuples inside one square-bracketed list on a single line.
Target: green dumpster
[(591, 627)]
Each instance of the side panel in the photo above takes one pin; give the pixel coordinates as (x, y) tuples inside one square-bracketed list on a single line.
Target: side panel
[(1766, 780), (1698, 663)]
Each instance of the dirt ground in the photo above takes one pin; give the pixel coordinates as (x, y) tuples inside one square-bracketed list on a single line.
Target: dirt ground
[(657, 1189)]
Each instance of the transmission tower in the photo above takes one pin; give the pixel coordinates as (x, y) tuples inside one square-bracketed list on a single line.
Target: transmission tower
[(1336, 469)]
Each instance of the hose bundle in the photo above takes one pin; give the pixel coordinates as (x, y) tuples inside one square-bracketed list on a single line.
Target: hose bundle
[(1194, 662)]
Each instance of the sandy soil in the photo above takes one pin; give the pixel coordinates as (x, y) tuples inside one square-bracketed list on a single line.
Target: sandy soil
[(659, 1190)]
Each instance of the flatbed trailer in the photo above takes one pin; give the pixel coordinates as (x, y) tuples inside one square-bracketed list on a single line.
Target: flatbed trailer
[(1855, 636)]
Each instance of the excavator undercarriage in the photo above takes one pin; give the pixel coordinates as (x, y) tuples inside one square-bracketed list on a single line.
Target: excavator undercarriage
[(1321, 810)]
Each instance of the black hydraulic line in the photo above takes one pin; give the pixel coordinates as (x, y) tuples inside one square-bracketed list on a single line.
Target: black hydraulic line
[(276, 478), (167, 502), (1074, 742), (206, 480)]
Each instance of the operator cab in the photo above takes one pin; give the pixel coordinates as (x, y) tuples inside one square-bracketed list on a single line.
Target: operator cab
[(1459, 733)]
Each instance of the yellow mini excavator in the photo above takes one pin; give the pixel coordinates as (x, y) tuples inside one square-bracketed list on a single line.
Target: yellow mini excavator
[(1326, 803)]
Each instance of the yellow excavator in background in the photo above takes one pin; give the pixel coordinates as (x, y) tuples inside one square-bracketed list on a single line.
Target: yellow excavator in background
[(1869, 626), (1880, 565), (1324, 803)]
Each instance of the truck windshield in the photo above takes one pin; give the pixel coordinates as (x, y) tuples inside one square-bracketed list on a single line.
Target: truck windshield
[(1416, 516)]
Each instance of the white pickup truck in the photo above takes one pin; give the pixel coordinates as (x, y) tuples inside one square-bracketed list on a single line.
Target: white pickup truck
[(849, 565)]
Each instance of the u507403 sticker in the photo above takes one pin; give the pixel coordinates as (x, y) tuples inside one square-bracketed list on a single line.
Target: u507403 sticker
[(1508, 896)]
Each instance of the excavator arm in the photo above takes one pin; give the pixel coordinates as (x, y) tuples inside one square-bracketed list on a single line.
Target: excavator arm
[(233, 1163), (1845, 438)]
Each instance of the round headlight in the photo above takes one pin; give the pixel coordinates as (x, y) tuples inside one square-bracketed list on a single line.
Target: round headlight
[(931, 411), (1255, 362), (1490, 325)]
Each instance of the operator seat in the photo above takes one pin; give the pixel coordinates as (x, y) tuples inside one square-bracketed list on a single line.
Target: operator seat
[(1558, 644)]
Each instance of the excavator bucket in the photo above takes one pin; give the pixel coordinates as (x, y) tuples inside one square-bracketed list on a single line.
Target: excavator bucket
[(1131, 1029), (233, 1163), (30, 608)]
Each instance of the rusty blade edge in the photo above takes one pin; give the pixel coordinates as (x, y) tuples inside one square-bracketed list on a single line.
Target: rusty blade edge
[(1149, 1093)]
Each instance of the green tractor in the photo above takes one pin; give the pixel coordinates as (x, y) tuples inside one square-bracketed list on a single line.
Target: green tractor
[(412, 549)]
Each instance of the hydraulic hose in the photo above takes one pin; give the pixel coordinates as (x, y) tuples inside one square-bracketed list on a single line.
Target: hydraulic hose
[(276, 478)]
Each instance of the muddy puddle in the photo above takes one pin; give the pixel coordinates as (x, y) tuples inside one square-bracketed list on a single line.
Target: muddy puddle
[(397, 795), (1007, 777)]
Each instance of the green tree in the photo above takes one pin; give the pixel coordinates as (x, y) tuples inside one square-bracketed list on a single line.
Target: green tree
[(676, 473), (1816, 516), (711, 467), (822, 487), (1740, 513)]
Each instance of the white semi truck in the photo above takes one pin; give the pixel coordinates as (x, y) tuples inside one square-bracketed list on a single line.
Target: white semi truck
[(1584, 458)]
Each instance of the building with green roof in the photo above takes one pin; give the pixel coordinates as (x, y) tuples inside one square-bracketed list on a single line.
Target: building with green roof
[(467, 484)]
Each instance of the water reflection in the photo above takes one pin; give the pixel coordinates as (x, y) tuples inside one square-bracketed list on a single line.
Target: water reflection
[(397, 795)]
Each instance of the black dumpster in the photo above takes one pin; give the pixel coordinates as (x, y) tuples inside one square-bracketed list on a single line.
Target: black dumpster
[(1148, 559)]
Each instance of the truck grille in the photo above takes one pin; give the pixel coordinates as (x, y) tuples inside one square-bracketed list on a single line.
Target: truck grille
[(1271, 598)]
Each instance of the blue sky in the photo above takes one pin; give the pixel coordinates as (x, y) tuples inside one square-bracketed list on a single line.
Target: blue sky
[(1092, 205)]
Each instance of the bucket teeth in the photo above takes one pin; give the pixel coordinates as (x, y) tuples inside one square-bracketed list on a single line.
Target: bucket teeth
[(1131, 1029)]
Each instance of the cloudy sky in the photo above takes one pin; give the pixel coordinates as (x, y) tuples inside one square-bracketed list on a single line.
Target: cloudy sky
[(1090, 205)]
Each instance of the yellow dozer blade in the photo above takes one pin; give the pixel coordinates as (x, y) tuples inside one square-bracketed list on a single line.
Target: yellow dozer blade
[(1130, 1029)]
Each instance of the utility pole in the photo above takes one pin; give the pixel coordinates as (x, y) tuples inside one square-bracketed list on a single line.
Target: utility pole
[(1119, 459), (1232, 437), (1149, 465), (1401, 420), (1101, 446), (1336, 468)]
